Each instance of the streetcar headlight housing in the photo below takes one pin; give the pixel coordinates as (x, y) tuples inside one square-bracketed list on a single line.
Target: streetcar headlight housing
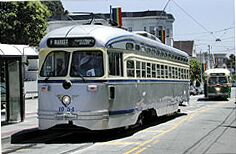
[(66, 100), (217, 89)]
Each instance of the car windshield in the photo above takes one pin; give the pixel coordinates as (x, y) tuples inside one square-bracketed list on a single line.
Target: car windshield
[(55, 64), (87, 64)]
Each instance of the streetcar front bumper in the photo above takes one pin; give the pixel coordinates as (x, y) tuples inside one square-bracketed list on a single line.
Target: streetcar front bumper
[(93, 120)]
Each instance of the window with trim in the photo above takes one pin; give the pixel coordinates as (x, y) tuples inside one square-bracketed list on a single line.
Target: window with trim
[(138, 70), (143, 70), (130, 29), (173, 72), (56, 64), (185, 74), (166, 71), (151, 30), (162, 71), (176, 73), (153, 70), (179, 72), (87, 64), (158, 71), (148, 70), (115, 64), (170, 72), (182, 73), (130, 68)]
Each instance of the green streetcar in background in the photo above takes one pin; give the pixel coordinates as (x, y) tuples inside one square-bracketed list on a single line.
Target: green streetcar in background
[(217, 83)]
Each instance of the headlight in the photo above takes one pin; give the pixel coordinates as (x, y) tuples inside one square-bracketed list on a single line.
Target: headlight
[(217, 89), (66, 100)]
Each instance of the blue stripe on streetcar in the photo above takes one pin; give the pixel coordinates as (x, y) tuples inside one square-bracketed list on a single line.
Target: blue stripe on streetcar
[(121, 112), (109, 81)]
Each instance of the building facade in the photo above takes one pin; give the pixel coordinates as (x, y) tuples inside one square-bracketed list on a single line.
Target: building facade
[(186, 46), (216, 60), (158, 23)]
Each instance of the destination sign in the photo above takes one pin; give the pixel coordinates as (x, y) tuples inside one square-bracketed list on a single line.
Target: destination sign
[(70, 42)]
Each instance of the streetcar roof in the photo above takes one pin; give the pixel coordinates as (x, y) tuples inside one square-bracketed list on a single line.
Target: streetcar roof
[(217, 70), (104, 36)]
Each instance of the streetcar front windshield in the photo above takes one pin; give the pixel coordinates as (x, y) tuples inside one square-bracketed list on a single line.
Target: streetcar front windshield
[(55, 64), (87, 64), (222, 80), (218, 80), (212, 80)]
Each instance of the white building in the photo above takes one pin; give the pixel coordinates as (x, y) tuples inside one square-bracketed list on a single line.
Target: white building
[(150, 21)]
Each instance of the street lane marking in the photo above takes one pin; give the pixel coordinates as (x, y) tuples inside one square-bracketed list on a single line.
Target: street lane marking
[(175, 126), (120, 143), (141, 150)]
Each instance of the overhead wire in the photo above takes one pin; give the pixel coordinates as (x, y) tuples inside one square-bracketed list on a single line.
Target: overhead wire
[(203, 27)]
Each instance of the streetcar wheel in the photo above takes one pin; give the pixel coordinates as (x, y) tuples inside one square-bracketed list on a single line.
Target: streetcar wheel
[(140, 121)]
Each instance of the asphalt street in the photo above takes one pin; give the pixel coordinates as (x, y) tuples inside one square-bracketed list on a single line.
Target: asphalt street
[(202, 127)]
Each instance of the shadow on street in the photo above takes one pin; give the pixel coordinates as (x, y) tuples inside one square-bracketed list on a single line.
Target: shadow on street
[(65, 134)]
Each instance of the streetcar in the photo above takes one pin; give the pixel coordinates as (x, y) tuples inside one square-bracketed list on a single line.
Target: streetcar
[(217, 83), (100, 77)]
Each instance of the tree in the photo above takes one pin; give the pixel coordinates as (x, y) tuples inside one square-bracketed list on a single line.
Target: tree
[(231, 62), (195, 70), (55, 7), (23, 22)]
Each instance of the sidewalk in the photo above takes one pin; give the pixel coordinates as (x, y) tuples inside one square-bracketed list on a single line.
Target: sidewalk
[(31, 121)]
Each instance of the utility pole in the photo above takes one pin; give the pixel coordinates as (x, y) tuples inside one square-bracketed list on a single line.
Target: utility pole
[(209, 59), (201, 64)]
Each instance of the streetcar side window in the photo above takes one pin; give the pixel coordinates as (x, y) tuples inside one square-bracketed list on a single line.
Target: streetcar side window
[(138, 73), (115, 64), (162, 71), (143, 70), (173, 72), (176, 72), (148, 70), (170, 72), (153, 70), (158, 71), (166, 71), (130, 68)]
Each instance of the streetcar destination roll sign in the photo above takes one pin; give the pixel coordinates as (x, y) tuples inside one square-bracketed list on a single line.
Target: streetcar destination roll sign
[(70, 42)]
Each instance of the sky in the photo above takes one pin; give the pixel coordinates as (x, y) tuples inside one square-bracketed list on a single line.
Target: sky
[(203, 21)]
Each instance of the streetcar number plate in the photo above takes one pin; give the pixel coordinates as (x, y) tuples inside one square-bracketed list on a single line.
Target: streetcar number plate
[(66, 109)]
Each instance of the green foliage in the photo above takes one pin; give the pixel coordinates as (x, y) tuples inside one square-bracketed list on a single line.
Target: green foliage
[(55, 7), (23, 22), (195, 70), (231, 61)]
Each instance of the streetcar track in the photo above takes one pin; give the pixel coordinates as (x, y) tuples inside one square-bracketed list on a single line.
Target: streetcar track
[(209, 133), (218, 137), (76, 149), (154, 138)]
